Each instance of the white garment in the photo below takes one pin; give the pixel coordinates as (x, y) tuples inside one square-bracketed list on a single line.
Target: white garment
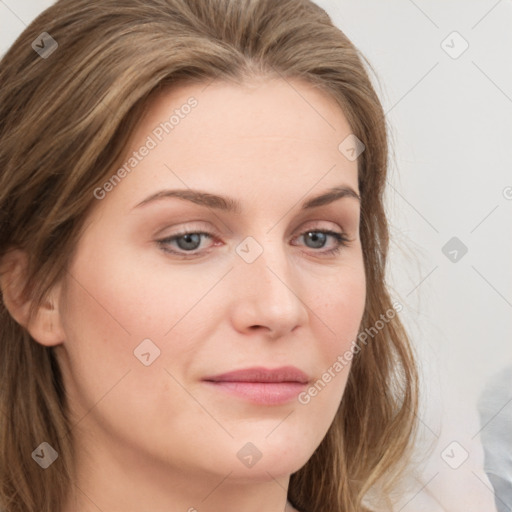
[(495, 408)]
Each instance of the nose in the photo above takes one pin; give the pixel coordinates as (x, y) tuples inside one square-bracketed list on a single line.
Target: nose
[(267, 294)]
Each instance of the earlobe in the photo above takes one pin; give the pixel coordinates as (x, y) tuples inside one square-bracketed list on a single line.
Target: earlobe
[(45, 326)]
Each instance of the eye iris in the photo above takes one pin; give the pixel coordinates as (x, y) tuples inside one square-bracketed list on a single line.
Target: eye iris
[(317, 237), (192, 241)]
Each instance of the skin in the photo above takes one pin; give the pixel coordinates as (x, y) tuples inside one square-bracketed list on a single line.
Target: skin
[(157, 437)]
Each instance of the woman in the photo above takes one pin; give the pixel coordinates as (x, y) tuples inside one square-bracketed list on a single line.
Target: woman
[(193, 249)]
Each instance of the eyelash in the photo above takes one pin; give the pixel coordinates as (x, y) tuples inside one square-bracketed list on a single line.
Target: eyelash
[(340, 238)]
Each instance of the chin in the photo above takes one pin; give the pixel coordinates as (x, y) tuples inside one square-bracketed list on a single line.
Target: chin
[(272, 458)]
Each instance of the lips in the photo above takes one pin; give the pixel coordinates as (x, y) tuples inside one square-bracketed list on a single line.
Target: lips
[(260, 385), (260, 374)]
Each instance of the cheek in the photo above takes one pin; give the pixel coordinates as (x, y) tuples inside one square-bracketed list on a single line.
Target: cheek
[(111, 306), (341, 308), (337, 315), (113, 301), (114, 291)]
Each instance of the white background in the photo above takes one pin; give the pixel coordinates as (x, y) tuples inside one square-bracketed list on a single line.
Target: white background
[(450, 122)]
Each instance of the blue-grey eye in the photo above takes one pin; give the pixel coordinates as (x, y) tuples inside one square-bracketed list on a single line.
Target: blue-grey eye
[(317, 237), (188, 241)]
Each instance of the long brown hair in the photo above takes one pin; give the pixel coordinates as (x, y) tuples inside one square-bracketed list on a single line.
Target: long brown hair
[(65, 119)]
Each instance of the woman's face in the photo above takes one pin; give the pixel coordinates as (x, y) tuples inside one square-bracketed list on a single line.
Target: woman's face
[(155, 322)]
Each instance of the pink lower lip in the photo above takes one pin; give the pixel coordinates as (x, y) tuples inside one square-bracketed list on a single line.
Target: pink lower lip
[(264, 393)]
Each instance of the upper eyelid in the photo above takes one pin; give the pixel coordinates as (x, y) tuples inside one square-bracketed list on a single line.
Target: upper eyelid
[(201, 226)]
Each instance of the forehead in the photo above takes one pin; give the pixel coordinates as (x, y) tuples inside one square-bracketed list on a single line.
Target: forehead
[(260, 138), (261, 107)]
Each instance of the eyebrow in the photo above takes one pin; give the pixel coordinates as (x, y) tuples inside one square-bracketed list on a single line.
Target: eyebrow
[(229, 204)]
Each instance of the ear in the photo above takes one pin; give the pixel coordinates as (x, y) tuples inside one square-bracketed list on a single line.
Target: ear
[(45, 326)]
